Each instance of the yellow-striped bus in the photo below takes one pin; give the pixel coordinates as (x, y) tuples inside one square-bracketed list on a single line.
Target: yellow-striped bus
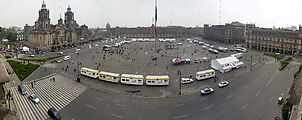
[(157, 80), (110, 77), (132, 79), (90, 72)]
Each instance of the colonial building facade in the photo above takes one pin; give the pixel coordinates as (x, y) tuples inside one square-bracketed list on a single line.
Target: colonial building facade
[(64, 32), (148, 32), (229, 33), (274, 40)]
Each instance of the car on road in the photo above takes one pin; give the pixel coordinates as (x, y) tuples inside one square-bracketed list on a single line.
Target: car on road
[(59, 61), (187, 60), (206, 91), (223, 84), (34, 98), (66, 58), (53, 113), (186, 80), (53, 61), (280, 100), (77, 50), (8, 71), (240, 49), (60, 53), (22, 89), (31, 55)]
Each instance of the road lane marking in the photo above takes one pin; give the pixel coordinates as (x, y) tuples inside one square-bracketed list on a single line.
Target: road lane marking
[(230, 96), (185, 115), (91, 106), (258, 116), (98, 98), (117, 116), (178, 105), (258, 93), (243, 107), (271, 80), (120, 105), (208, 107), (270, 100)]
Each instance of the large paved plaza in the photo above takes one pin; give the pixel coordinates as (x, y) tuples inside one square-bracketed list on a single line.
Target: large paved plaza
[(249, 89)]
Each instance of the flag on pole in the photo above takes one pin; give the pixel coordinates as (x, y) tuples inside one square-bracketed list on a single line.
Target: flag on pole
[(155, 10)]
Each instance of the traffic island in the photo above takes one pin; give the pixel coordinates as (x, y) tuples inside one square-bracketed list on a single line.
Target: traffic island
[(22, 70)]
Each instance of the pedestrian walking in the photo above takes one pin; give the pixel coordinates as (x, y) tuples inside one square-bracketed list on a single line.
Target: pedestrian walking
[(32, 85), (54, 80)]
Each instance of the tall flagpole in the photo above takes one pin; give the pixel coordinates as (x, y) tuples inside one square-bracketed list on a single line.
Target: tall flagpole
[(155, 31)]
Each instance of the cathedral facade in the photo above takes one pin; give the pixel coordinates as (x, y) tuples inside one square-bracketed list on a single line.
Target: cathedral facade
[(43, 33)]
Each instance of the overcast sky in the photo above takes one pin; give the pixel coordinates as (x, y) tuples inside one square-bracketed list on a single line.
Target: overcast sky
[(132, 13)]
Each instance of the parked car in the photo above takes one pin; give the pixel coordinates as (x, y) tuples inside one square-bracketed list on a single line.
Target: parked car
[(186, 80), (187, 60), (59, 61), (53, 61), (53, 113), (60, 53), (34, 98), (8, 71), (22, 89), (223, 84), (280, 100), (66, 58), (206, 91), (31, 55)]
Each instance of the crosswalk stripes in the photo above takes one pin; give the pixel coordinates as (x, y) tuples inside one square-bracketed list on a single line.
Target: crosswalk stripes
[(56, 95)]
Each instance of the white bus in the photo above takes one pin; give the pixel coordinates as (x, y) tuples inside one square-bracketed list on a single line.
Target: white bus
[(90, 72), (110, 77), (205, 74), (132, 79), (157, 80)]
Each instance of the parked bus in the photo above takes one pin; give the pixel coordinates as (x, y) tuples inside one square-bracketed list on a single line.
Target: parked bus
[(157, 80), (132, 79), (110, 77), (90, 72), (205, 74)]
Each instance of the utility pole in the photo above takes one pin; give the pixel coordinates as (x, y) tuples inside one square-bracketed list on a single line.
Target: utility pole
[(179, 83), (251, 63)]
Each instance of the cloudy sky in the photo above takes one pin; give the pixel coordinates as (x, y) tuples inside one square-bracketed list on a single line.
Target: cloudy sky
[(132, 13)]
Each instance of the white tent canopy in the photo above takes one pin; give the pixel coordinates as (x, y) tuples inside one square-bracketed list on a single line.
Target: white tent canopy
[(25, 49), (225, 64)]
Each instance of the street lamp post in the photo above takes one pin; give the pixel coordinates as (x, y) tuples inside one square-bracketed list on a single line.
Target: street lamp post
[(251, 62), (179, 83)]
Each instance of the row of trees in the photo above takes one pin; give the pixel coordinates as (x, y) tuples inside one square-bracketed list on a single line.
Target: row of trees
[(8, 35)]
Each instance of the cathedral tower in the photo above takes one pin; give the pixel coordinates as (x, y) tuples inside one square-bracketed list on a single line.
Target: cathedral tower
[(43, 20)]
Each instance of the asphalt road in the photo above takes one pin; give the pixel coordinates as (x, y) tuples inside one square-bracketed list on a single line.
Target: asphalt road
[(249, 96)]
